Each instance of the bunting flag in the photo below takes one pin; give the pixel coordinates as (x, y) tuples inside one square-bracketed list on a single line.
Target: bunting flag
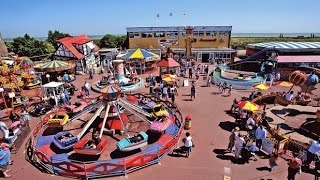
[(183, 14), (158, 15), (171, 14)]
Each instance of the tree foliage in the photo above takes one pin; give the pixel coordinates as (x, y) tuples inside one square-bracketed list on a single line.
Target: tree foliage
[(28, 46), (53, 36), (113, 41)]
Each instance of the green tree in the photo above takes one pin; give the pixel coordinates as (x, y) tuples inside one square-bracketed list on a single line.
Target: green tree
[(28, 46), (112, 41), (53, 36)]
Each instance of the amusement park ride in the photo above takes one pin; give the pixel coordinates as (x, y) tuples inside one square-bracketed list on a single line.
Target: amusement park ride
[(115, 115)]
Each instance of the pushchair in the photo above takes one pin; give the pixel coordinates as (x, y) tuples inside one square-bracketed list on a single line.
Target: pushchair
[(248, 152)]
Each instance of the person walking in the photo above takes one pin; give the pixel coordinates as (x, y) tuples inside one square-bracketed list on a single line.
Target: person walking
[(190, 73), (230, 89), (188, 144), (232, 138), (87, 88), (25, 116), (240, 142), (273, 161), (193, 92), (294, 167), (260, 134), (90, 73)]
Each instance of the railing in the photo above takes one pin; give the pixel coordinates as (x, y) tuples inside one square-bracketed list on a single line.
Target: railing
[(103, 168)]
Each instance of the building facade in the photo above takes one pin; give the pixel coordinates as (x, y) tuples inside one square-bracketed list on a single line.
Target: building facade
[(207, 42), (78, 48)]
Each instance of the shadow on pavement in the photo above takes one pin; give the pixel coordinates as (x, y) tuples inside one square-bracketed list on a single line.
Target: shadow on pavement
[(227, 125), (264, 168)]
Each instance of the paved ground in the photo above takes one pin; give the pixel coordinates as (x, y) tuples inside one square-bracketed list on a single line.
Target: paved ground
[(208, 112)]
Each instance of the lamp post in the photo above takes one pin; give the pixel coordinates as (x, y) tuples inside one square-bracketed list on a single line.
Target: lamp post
[(48, 77)]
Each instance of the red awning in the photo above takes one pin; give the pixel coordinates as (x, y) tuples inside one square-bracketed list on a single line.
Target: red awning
[(169, 62), (298, 59)]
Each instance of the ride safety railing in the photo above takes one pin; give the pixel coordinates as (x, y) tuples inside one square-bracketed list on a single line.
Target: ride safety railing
[(103, 168)]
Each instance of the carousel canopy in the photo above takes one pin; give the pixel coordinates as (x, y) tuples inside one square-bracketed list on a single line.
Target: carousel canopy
[(141, 54), (169, 63), (54, 65)]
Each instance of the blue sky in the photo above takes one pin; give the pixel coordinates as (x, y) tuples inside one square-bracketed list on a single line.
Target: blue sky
[(96, 17)]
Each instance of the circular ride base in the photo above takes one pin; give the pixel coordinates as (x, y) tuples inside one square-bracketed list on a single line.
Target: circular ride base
[(125, 89), (42, 151)]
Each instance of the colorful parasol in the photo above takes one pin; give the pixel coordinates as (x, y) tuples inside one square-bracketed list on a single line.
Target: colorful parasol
[(53, 66), (248, 106), (141, 54), (284, 83), (262, 87), (169, 77)]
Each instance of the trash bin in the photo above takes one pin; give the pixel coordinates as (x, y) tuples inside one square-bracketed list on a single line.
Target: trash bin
[(151, 89)]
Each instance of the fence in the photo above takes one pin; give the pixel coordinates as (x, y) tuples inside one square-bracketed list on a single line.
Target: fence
[(103, 168)]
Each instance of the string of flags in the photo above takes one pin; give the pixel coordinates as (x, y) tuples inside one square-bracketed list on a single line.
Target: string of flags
[(170, 14)]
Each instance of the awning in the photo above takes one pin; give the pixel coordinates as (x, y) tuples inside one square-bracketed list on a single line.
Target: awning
[(298, 59), (53, 84)]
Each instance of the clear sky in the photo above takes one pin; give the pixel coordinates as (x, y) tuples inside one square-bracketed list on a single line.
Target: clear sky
[(99, 17)]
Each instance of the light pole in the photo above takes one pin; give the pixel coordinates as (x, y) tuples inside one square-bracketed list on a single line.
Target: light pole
[(48, 77)]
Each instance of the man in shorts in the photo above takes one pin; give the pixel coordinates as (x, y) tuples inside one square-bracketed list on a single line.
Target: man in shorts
[(188, 144)]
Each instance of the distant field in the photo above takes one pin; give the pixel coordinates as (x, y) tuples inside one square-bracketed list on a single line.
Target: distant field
[(241, 42)]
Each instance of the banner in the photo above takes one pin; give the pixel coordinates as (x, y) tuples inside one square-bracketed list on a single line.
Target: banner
[(168, 42)]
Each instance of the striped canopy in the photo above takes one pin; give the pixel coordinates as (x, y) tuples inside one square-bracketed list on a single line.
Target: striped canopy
[(111, 92), (54, 65), (141, 54), (288, 45)]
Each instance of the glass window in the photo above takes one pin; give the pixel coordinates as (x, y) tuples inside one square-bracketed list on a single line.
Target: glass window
[(201, 33), (131, 35), (223, 34), (183, 34), (195, 34), (172, 34), (146, 35), (159, 34), (211, 33), (136, 35)]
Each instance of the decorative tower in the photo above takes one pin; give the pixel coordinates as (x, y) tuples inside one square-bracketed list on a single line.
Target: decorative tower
[(118, 69), (189, 40)]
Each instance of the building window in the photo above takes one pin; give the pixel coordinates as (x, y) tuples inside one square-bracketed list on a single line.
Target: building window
[(223, 34), (134, 35), (195, 34), (172, 34), (183, 34), (211, 33), (159, 34), (201, 33), (146, 35)]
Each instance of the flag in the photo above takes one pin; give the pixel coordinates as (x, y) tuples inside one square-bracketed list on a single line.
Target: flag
[(183, 14), (158, 15), (171, 14)]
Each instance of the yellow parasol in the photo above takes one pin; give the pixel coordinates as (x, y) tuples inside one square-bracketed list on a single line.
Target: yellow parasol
[(169, 77), (262, 87), (285, 84), (247, 105)]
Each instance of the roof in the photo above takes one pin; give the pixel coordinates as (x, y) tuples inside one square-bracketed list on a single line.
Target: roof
[(287, 45), (53, 84), (169, 62), (69, 42), (297, 59), (178, 28)]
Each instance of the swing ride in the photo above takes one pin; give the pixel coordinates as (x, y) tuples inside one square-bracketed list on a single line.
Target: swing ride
[(118, 130)]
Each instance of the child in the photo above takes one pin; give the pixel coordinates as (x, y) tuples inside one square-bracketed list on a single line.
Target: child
[(273, 161), (188, 144)]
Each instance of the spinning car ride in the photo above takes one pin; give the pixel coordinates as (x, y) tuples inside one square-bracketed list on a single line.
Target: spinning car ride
[(132, 143)]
